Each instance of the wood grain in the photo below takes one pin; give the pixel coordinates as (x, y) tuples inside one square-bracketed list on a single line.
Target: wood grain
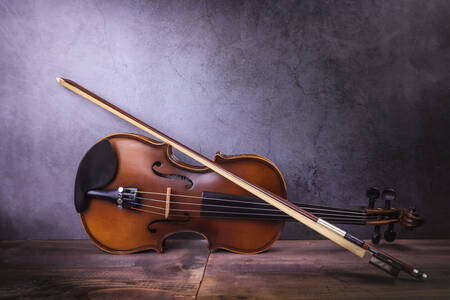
[(289, 270), (322, 270), (79, 270)]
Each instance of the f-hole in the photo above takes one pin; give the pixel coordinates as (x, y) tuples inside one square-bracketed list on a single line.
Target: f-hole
[(189, 184), (186, 219)]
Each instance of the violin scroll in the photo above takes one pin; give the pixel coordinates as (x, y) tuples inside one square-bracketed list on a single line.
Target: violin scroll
[(410, 219), (389, 215)]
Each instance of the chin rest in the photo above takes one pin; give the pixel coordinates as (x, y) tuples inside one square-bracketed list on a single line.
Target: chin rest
[(96, 170)]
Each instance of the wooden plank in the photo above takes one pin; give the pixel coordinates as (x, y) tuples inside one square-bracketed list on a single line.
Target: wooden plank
[(322, 270), (289, 270), (79, 270)]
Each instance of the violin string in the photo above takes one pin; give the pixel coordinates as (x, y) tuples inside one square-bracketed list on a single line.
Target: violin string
[(199, 197), (204, 211), (149, 211), (367, 217), (249, 202), (327, 216), (281, 217), (173, 215), (342, 214)]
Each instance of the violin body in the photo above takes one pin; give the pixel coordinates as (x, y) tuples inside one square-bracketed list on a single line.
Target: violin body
[(130, 160)]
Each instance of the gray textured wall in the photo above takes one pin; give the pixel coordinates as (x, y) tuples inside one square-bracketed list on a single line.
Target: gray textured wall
[(340, 95)]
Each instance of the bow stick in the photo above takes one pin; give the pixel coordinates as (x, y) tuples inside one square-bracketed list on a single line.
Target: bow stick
[(353, 244)]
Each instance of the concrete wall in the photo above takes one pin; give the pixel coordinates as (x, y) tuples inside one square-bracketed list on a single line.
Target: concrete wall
[(341, 95)]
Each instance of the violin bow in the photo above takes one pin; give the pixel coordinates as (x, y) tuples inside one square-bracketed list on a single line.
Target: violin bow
[(353, 244)]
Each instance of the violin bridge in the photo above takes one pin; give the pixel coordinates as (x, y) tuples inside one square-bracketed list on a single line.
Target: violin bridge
[(167, 211)]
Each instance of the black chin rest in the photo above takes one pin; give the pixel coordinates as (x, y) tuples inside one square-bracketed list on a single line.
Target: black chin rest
[(96, 170)]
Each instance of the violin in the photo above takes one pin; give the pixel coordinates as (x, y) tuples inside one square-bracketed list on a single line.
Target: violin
[(155, 195), (132, 193)]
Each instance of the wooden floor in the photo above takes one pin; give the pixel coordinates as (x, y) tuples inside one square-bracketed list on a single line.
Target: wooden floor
[(290, 270)]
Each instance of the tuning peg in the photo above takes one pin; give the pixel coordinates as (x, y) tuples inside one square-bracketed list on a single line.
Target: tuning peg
[(376, 235), (373, 194), (388, 196), (390, 234)]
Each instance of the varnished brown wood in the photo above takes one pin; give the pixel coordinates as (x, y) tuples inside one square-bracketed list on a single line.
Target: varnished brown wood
[(409, 219), (382, 211), (125, 231), (76, 269), (382, 222)]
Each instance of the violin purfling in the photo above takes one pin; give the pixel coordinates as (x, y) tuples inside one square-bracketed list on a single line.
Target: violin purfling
[(131, 193)]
